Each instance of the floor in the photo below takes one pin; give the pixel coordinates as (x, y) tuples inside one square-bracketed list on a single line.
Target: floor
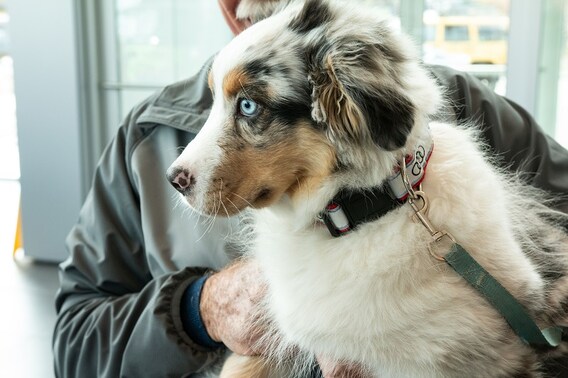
[(27, 290)]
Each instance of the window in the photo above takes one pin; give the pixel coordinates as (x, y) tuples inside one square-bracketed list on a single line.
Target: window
[(9, 154), (469, 35), (163, 41), (492, 33), (148, 44), (456, 33), (561, 129), (167, 40), (552, 92), (429, 33)]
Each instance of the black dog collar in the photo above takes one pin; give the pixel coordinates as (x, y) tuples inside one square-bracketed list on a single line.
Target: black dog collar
[(351, 208)]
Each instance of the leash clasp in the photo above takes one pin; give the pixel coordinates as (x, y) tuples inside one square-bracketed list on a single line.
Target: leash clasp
[(438, 236), (419, 203)]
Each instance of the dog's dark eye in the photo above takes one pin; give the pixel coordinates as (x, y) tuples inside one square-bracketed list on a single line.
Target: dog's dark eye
[(248, 107)]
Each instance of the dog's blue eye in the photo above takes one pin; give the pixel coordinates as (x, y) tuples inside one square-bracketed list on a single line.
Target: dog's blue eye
[(248, 107)]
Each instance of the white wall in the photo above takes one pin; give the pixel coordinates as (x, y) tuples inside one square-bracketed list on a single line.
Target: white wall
[(45, 74)]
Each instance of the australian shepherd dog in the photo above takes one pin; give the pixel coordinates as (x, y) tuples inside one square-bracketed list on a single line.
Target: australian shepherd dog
[(321, 99)]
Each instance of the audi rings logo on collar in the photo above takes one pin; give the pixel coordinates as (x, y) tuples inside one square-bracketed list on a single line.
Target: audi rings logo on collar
[(419, 160)]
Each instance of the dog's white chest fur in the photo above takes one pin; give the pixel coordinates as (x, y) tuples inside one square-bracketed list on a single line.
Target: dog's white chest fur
[(376, 296)]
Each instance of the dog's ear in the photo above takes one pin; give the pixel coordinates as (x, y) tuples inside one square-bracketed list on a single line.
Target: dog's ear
[(351, 101), (314, 13), (354, 76)]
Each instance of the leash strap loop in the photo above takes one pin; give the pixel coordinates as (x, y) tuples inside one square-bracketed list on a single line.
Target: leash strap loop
[(513, 312)]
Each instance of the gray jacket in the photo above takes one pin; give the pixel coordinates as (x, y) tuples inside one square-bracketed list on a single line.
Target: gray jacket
[(135, 248)]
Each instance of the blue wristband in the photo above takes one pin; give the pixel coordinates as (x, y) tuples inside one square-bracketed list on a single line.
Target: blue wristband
[(191, 316)]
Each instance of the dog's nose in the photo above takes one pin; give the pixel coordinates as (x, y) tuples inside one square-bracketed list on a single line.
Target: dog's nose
[(180, 179)]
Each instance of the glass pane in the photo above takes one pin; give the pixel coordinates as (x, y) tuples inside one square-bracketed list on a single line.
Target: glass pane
[(561, 109), (9, 154), (162, 41), (492, 33), (456, 33), (469, 35), (386, 8)]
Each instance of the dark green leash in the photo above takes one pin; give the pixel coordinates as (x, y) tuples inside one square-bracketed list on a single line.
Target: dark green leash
[(480, 279), (513, 312)]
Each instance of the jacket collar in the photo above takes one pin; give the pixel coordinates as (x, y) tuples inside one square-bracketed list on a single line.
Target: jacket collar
[(184, 105)]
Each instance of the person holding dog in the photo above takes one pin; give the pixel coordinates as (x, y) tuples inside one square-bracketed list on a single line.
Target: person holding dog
[(151, 290)]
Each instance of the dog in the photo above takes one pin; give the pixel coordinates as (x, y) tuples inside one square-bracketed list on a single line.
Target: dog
[(321, 103)]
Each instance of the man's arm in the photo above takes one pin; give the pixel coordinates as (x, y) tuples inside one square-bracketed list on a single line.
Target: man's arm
[(510, 130), (114, 318)]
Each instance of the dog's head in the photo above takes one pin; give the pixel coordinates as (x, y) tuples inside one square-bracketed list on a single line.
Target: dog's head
[(318, 95)]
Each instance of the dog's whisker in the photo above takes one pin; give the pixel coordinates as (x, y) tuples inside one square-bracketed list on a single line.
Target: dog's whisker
[(208, 226), (216, 207), (209, 221), (230, 230), (221, 196), (244, 199), (220, 204), (233, 204), (186, 211), (202, 233)]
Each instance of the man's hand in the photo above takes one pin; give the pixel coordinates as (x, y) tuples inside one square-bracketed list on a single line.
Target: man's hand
[(229, 303)]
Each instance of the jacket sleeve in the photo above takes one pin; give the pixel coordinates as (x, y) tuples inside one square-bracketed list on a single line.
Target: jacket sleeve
[(510, 131), (114, 318)]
